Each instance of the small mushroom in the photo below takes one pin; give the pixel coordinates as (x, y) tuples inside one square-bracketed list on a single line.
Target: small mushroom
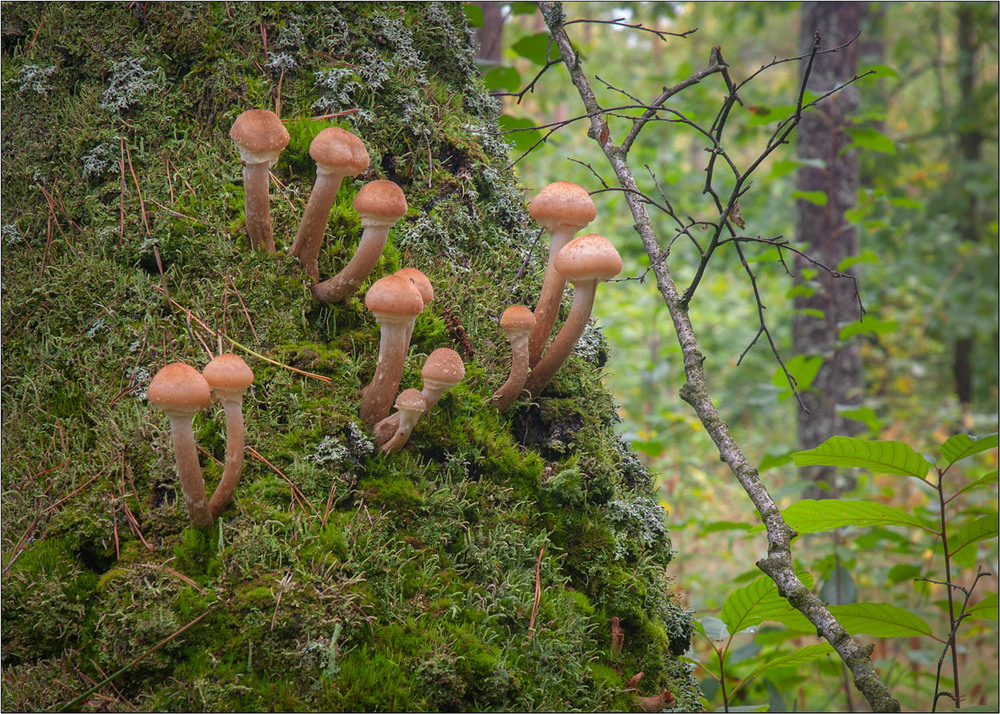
[(337, 153), (656, 703), (395, 302), (562, 208), (516, 322), (179, 391), (229, 376), (585, 261), (411, 406), (380, 204), (442, 370), (260, 136)]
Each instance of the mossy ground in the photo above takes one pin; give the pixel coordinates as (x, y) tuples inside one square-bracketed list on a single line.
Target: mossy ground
[(338, 579)]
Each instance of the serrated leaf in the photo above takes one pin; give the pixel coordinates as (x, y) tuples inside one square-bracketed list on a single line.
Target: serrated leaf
[(962, 446), (870, 325), (818, 198), (884, 457), (809, 516), (879, 619), (985, 609), (534, 48), (986, 480), (981, 529), (758, 601)]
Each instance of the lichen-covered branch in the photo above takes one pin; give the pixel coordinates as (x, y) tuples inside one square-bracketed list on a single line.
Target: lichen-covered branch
[(778, 563)]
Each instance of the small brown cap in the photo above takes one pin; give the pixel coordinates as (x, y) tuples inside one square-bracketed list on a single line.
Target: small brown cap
[(411, 400), (339, 151), (588, 257), (179, 390), (420, 281), (443, 365), (380, 203), (259, 132), (517, 320), (394, 297), (228, 376), (562, 204)]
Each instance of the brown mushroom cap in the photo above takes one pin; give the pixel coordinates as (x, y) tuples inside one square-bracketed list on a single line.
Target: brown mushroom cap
[(380, 203), (338, 151), (259, 131), (517, 320), (411, 400), (420, 282), (179, 390), (228, 376), (443, 366), (394, 297), (562, 204), (588, 257)]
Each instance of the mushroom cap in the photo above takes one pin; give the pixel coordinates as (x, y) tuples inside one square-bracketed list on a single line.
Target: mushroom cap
[(562, 204), (380, 203), (588, 257), (394, 298), (228, 376), (517, 320), (419, 281), (411, 400), (179, 390), (336, 150), (443, 366), (260, 135)]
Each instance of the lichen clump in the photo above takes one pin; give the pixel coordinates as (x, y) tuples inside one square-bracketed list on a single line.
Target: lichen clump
[(338, 578)]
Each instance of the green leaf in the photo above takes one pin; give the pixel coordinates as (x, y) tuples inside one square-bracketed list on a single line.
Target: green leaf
[(506, 78), (758, 601), (803, 369), (474, 15), (650, 448), (884, 70), (719, 526), (534, 47), (879, 619), (986, 480), (850, 261), (866, 137), (985, 609), (761, 115), (809, 653), (883, 457), (962, 446), (901, 571), (863, 414), (871, 325), (907, 202), (713, 628), (814, 516), (524, 8), (983, 528), (771, 461), (817, 197), (843, 592), (519, 131)]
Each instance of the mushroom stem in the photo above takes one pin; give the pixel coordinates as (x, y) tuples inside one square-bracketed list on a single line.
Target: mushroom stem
[(189, 471), (410, 406), (235, 439), (309, 238), (561, 347), (345, 283), (377, 397), (550, 296), (512, 388), (256, 178)]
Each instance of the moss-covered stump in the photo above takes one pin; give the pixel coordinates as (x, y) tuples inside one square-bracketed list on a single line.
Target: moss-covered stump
[(338, 578)]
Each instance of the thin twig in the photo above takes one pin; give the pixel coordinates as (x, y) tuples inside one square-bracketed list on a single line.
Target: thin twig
[(538, 593)]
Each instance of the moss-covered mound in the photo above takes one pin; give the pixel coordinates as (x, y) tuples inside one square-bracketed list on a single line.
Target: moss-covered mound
[(338, 578)]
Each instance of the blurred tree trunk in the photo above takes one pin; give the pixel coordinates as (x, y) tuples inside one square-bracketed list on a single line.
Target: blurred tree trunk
[(490, 35), (825, 233)]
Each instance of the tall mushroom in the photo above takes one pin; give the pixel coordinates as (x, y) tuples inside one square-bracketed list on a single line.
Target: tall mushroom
[(562, 208), (516, 322), (229, 376), (395, 302), (585, 261), (337, 153), (411, 405), (380, 204), (179, 391), (260, 136), (420, 282), (442, 370)]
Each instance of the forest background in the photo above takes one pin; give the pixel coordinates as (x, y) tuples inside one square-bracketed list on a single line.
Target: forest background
[(926, 219)]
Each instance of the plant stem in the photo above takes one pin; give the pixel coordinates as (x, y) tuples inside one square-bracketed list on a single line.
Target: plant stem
[(951, 605)]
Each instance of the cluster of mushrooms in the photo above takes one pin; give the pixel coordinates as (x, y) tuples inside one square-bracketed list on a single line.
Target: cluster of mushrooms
[(561, 208)]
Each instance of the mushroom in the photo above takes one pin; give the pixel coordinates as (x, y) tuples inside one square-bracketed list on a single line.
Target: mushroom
[(229, 376), (562, 208), (179, 391), (395, 302), (411, 406), (584, 261), (380, 204), (337, 153), (260, 136), (420, 282), (516, 321), (656, 703), (442, 370)]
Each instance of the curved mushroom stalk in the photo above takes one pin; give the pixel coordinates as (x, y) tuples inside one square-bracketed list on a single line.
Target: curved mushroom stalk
[(562, 208), (585, 261), (411, 406), (517, 322), (260, 137), (337, 153), (229, 377), (179, 391), (380, 204), (442, 370)]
